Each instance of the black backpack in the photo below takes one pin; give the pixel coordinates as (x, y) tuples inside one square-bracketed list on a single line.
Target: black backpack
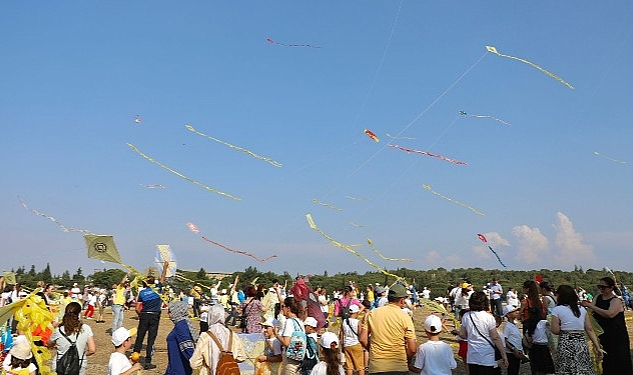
[(311, 358), (69, 363), (345, 309)]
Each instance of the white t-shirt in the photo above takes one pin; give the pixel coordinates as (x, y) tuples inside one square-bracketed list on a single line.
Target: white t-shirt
[(426, 294), (92, 300), (512, 334), (435, 358), (568, 321), (323, 303), (540, 333), (290, 327), (480, 352), (63, 345), (350, 332), (495, 288), (118, 364), (512, 298), (462, 300), (321, 369), (6, 365)]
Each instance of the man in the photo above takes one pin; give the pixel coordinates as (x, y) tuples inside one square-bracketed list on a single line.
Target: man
[(118, 303), (196, 293), (148, 307), (496, 291), (387, 328)]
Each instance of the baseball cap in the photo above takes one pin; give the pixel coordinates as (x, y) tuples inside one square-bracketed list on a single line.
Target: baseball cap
[(310, 321), (433, 324), (507, 309), (353, 309), (329, 340), (271, 322), (465, 285), (121, 334), (397, 291), (21, 350)]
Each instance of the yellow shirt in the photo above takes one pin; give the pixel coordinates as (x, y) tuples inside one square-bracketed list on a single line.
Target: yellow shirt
[(119, 296), (370, 296), (389, 326)]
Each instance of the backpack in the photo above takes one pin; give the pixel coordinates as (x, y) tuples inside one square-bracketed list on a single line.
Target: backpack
[(311, 357), (69, 363), (344, 314), (227, 365), (296, 350)]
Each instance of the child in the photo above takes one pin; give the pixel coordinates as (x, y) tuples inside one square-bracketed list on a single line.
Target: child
[(512, 340), (434, 356), (204, 320), (463, 344), (119, 364), (19, 359), (354, 356), (101, 303), (330, 353), (312, 351), (272, 356)]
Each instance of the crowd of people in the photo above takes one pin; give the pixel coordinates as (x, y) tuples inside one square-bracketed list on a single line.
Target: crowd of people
[(354, 330)]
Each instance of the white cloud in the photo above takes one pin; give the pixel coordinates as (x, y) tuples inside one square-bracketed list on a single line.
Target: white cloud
[(571, 249), (532, 244), (433, 258)]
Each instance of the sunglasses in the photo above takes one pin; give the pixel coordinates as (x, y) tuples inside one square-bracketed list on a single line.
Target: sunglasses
[(603, 286)]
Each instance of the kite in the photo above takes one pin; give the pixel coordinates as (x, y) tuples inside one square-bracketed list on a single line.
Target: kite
[(165, 255), (9, 278), (427, 187), (137, 119), (371, 244), (393, 137), (239, 252), (608, 158), (494, 50), (62, 226), (154, 186), (371, 135), (266, 159), (193, 228), (349, 248), (356, 198), (181, 175), (314, 200), (463, 113), (484, 240), (102, 247), (356, 225), (429, 154), (269, 40)]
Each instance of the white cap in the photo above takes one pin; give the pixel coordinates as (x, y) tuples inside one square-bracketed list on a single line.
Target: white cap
[(353, 309), (310, 321), (121, 334), (21, 350), (271, 322), (329, 340), (433, 324), (507, 309)]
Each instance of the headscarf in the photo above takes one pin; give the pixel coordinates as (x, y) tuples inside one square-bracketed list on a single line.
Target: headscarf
[(216, 314), (180, 311)]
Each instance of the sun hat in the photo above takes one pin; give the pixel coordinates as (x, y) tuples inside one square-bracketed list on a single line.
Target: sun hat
[(507, 309), (21, 350), (310, 321), (329, 340), (433, 324), (121, 334), (397, 291)]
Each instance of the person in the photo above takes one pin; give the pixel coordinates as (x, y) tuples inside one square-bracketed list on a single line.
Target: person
[(496, 292), (331, 363), (608, 310), (512, 337), (532, 309), (71, 329), (512, 298), (119, 364), (207, 353), (541, 362), (252, 310), (346, 301), (480, 329), (434, 357), (234, 303), (180, 340), (387, 328), (463, 296), (90, 301), (272, 355), (570, 322), (324, 302), (354, 356), (19, 361), (196, 293), (118, 303), (549, 302), (369, 294), (271, 300), (148, 309), (292, 310), (101, 303)]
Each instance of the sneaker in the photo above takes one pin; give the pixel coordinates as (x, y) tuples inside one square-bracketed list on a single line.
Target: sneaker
[(149, 366)]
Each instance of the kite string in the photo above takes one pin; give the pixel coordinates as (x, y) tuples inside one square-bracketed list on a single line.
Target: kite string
[(239, 251), (62, 226), (371, 244)]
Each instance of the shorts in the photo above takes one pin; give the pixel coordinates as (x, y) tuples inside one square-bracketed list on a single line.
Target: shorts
[(463, 349), (354, 357)]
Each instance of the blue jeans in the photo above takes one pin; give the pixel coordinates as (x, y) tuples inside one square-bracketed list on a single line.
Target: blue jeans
[(117, 320)]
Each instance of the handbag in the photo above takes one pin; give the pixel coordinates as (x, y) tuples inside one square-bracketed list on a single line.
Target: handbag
[(244, 317), (498, 355)]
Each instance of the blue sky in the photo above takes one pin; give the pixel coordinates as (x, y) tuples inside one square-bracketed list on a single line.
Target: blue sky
[(74, 75)]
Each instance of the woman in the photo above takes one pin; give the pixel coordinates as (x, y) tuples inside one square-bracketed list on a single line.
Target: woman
[(252, 309), (608, 310), (347, 300), (331, 363), (292, 310), (480, 329), (180, 340), (570, 322), (71, 329), (207, 354), (462, 297), (512, 298), (532, 310)]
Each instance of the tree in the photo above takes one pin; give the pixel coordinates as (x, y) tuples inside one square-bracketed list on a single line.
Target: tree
[(106, 278), (32, 273), (65, 278), (45, 275), (201, 275), (78, 277)]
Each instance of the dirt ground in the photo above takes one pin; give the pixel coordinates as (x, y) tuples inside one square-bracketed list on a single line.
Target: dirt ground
[(98, 363)]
